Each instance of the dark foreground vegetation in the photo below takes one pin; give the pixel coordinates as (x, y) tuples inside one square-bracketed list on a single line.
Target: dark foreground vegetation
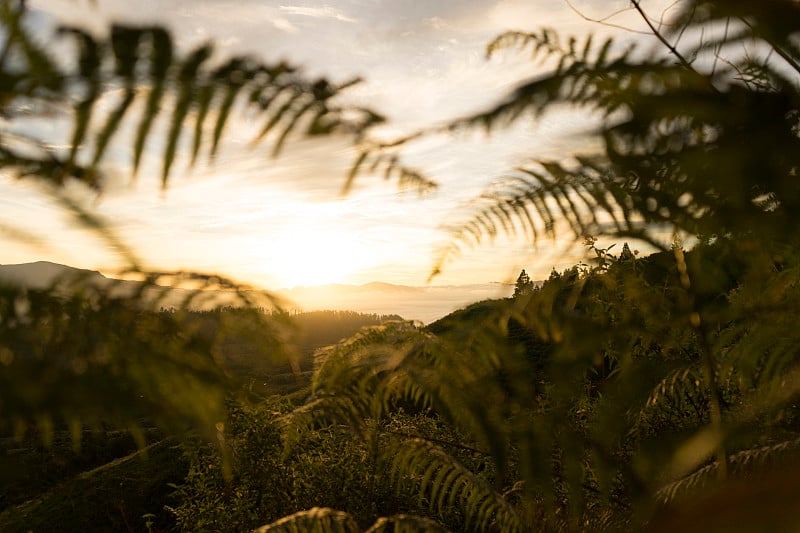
[(369, 428), (654, 393), (106, 478)]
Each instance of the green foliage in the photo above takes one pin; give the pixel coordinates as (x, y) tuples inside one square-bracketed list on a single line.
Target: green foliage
[(80, 354), (375, 373), (327, 468), (323, 520), (317, 519), (703, 150), (629, 382), (317, 329), (589, 423), (212, 498)]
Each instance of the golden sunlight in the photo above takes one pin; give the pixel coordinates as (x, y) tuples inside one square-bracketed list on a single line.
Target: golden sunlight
[(306, 253)]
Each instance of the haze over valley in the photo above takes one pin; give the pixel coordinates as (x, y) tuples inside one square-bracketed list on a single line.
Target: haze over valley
[(425, 303)]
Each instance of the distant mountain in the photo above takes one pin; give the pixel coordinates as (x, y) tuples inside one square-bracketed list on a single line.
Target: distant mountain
[(419, 303), (43, 274)]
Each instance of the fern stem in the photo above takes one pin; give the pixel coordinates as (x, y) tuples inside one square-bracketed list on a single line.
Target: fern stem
[(715, 403), (775, 46), (660, 37), (707, 360), (374, 451), (12, 33), (673, 50), (440, 442)]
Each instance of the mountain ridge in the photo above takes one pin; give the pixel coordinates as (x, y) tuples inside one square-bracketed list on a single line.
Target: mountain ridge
[(424, 303), (43, 274)]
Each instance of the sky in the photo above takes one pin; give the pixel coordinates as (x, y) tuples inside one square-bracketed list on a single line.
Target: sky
[(283, 222)]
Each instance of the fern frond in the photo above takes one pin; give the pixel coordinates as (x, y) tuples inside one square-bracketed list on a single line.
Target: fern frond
[(186, 77), (316, 520), (403, 523), (90, 349), (160, 61), (587, 199), (325, 520), (743, 464), (376, 159), (761, 342), (680, 402), (655, 168), (545, 43), (445, 483), (361, 380), (588, 78), (36, 73), (180, 89)]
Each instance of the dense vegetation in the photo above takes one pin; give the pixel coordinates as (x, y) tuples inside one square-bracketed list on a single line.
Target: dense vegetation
[(626, 393), (99, 476)]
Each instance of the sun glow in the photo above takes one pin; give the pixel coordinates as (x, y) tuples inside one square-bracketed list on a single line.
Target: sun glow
[(313, 253)]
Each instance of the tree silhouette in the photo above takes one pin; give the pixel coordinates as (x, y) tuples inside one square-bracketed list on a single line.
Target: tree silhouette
[(524, 285), (626, 254)]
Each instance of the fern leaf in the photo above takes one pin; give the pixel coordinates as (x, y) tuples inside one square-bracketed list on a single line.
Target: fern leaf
[(125, 44), (278, 114), (403, 523), (316, 520), (186, 78), (447, 482), (160, 61), (744, 464), (538, 201), (89, 66), (205, 95), (280, 139), (41, 71), (234, 74)]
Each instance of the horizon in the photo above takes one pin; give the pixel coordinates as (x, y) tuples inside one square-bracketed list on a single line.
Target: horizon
[(113, 275), (423, 303)]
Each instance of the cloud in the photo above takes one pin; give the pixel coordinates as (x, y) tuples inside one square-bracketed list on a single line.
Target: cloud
[(281, 23), (325, 11)]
